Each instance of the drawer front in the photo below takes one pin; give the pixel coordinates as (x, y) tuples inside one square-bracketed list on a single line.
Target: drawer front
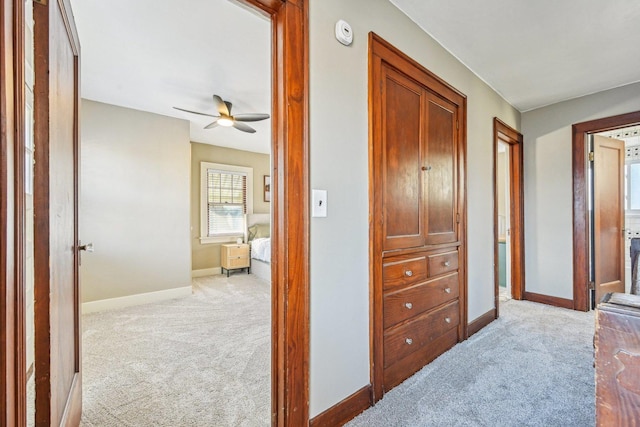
[(402, 305), (401, 341), (443, 263), (237, 262), (239, 250), (400, 271)]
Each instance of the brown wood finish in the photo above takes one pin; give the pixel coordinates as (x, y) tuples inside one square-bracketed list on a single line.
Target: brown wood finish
[(608, 215), (482, 321), (549, 300), (580, 132), (514, 140), (412, 113), (617, 360), (9, 398), (56, 286), (345, 410), (290, 211)]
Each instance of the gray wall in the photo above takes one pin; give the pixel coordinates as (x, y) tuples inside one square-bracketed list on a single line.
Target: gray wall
[(548, 184), (339, 164), (134, 202)]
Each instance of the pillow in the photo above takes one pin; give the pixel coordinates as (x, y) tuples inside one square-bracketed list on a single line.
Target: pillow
[(257, 231)]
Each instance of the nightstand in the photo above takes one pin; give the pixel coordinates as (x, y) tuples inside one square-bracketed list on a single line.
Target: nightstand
[(235, 256)]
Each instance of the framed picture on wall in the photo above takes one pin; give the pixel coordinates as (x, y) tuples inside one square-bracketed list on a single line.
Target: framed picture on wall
[(267, 188)]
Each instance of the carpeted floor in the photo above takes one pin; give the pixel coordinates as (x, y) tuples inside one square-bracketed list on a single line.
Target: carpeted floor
[(203, 360), (531, 367)]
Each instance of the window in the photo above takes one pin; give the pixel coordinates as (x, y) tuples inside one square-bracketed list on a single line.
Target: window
[(632, 176), (226, 198)]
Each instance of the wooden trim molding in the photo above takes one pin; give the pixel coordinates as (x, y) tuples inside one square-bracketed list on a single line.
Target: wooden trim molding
[(482, 321), (549, 300), (290, 210), (345, 410), (506, 134), (580, 132)]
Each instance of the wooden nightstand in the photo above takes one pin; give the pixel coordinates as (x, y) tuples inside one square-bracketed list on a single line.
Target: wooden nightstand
[(235, 256)]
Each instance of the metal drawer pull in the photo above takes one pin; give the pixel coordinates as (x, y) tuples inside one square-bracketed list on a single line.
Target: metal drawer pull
[(409, 341), (408, 273), (446, 263), (448, 290), (408, 305), (447, 319)]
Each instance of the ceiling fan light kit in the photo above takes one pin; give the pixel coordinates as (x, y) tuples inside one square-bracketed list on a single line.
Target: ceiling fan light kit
[(225, 118)]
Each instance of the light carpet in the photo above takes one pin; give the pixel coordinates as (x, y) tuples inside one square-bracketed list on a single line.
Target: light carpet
[(531, 367), (202, 360)]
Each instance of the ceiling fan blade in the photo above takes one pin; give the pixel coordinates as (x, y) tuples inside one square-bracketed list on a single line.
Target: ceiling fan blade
[(221, 106), (251, 117), (212, 124), (194, 112), (244, 128), (229, 105)]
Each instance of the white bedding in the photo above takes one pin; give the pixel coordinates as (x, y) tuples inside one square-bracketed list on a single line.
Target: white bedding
[(261, 249)]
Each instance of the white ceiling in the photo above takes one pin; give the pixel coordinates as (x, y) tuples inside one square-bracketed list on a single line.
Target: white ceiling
[(152, 55), (538, 52)]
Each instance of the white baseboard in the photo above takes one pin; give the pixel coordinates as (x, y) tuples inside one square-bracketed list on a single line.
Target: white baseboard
[(206, 272), (137, 299)]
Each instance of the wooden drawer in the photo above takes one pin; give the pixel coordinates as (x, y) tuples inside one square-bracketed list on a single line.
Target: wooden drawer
[(398, 271), (237, 262), (406, 303), (442, 263), (405, 339), (237, 250)]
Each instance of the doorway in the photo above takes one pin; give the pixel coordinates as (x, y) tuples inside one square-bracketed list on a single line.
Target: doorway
[(290, 219), (585, 267), (508, 214)]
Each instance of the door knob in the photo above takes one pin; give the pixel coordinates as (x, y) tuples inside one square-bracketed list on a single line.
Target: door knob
[(87, 247)]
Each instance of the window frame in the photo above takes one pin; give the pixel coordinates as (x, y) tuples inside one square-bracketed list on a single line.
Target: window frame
[(627, 185), (204, 231)]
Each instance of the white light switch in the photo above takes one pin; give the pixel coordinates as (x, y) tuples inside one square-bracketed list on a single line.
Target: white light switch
[(319, 200)]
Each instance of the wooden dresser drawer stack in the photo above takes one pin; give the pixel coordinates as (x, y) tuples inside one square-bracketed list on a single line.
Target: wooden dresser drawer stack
[(420, 309)]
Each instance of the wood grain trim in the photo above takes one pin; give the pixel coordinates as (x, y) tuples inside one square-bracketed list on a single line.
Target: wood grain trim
[(549, 300), (579, 133), (345, 410), (482, 321), (506, 134)]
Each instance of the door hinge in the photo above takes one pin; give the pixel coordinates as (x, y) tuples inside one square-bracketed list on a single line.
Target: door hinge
[(592, 286), (458, 218), (457, 124), (592, 156)]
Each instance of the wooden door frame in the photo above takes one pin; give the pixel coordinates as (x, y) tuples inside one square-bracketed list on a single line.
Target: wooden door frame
[(12, 335), (580, 132), (506, 134), (381, 50), (290, 265)]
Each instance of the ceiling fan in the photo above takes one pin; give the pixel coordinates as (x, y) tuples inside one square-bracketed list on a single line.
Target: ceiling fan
[(226, 119)]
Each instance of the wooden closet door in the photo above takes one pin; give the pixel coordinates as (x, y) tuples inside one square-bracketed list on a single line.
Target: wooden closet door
[(402, 111), (440, 166)]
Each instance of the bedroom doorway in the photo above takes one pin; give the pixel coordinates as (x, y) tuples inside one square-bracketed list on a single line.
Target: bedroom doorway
[(508, 206)]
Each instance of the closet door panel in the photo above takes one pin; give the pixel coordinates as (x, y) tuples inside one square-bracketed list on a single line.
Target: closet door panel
[(402, 207), (440, 175)]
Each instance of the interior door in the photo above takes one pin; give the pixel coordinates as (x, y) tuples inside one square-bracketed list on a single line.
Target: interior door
[(608, 215), (56, 290)]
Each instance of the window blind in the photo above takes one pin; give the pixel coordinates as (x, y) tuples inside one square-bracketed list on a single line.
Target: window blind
[(226, 202)]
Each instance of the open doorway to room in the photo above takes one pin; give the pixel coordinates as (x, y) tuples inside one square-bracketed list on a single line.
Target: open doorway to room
[(614, 208), (508, 214), (600, 198)]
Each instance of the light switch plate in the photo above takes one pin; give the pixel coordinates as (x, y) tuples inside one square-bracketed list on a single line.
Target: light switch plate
[(319, 203)]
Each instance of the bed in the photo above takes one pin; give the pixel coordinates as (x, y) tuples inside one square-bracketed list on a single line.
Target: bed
[(259, 239)]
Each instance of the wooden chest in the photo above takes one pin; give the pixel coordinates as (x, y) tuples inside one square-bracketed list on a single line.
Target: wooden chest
[(617, 353)]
